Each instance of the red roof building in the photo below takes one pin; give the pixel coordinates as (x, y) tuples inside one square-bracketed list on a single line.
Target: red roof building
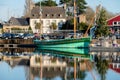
[(114, 24)]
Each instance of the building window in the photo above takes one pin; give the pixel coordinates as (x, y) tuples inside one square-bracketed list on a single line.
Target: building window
[(11, 22), (119, 66), (54, 21), (48, 22), (114, 23), (118, 23), (33, 15), (60, 15), (35, 22), (52, 15), (47, 15)]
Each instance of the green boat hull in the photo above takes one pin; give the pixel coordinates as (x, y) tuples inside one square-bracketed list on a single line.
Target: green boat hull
[(63, 54), (81, 42), (71, 46)]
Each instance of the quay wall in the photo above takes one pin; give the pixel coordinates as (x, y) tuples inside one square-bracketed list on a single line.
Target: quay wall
[(16, 41), (94, 40)]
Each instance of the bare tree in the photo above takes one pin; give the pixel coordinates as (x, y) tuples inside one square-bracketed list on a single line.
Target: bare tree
[(89, 14), (27, 8)]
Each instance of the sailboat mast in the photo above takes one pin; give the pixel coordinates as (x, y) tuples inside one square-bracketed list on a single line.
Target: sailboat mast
[(74, 18), (40, 18), (74, 37)]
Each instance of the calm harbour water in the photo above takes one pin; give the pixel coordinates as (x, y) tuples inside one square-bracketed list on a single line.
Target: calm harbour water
[(10, 70)]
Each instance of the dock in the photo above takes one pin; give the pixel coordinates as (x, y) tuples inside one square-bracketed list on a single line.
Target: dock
[(104, 49)]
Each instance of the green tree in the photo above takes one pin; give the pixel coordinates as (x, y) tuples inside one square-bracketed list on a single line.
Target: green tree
[(102, 67), (80, 6), (29, 29), (53, 26), (81, 75), (82, 26), (27, 8), (68, 25), (38, 26), (102, 28), (89, 14), (46, 3)]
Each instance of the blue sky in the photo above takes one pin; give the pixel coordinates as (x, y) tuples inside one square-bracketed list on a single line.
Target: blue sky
[(16, 7)]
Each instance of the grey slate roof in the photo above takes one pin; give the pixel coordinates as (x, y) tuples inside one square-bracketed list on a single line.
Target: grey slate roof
[(19, 21), (48, 12)]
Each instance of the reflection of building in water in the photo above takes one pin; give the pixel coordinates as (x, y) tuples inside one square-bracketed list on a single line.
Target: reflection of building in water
[(27, 73), (115, 63), (18, 50), (112, 57), (104, 55), (47, 61), (47, 73), (17, 61), (51, 67)]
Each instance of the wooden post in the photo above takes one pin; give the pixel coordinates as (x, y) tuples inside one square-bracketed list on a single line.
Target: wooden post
[(74, 37), (74, 68), (41, 66)]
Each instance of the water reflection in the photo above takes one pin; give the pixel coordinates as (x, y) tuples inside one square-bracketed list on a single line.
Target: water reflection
[(33, 73), (19, 67), (102, 67)]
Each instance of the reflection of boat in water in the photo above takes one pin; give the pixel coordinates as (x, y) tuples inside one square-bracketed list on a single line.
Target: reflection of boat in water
[(68, 52)]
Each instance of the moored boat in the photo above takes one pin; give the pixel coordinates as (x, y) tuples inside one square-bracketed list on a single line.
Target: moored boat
[(64, 43)]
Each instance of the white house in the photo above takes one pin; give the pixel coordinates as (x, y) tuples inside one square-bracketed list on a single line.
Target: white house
[(49, 15)]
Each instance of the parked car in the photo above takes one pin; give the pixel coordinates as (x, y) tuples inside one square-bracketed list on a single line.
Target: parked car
[(117, 36), (6, 36)]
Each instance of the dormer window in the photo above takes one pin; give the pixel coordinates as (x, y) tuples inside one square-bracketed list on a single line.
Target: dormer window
[(52, 15), (114, 23), (47, 15), (60, 15), (11, 22), (33, 15)]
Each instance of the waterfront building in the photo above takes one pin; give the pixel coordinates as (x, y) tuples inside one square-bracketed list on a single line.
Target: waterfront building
[(114, 24), (49, 15), (16, 24), (47, 61)]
